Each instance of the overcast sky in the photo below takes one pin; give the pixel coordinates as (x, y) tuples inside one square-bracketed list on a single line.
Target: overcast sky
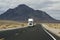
[(52, 7)]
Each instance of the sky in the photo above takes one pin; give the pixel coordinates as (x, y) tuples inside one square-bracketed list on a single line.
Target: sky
[(52, 7)]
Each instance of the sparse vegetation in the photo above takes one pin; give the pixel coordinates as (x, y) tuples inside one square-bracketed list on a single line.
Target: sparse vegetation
[(2, 39), (59, 33), (53, 25), (10, 24)]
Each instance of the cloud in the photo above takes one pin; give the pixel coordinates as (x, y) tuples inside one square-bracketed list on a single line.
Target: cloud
[(52, 7), (55, 0)]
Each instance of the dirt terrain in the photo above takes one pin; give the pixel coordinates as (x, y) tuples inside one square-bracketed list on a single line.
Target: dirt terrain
[(4, 24), (53, 27)]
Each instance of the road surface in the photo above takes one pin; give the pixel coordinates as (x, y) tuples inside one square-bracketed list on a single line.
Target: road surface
[(29, 33)]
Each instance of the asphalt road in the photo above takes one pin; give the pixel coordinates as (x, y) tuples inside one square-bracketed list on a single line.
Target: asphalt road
[(30, 33)]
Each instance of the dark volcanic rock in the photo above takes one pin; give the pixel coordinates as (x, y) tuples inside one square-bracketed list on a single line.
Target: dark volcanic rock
[(23, 12)]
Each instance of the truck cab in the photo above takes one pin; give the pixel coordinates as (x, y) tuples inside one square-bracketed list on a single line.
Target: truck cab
[(30, 22)]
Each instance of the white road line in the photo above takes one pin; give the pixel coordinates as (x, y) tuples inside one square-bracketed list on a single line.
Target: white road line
[(48, 33)]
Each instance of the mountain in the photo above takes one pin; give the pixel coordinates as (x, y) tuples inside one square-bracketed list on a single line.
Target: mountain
[(23, 12)]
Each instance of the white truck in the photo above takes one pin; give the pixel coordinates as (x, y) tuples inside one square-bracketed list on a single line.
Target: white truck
[(30, 22)]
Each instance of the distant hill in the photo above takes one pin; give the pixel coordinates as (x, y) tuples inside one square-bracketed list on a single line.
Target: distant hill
[(23, 12)]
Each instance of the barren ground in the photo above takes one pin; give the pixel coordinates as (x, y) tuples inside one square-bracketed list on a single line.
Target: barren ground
[(4, 24), (53, 27)]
